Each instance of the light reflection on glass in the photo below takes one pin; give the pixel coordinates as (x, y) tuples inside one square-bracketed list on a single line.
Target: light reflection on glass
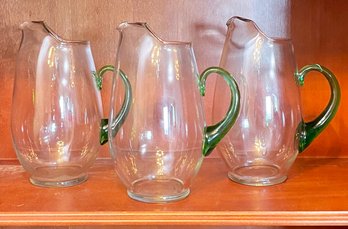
[(62, 106), (51, 56), (166, 120), (61, 152), (155, 55), (257, 52), (260, 145), (160, 162), (268, 110)]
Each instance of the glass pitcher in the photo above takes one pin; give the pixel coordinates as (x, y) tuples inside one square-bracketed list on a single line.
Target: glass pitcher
[(269, 131), (163, 138), (56, 108)]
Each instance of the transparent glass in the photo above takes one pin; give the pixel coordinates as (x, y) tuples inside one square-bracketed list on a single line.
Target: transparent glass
[(56, 107), (269, 131), (158, 136)]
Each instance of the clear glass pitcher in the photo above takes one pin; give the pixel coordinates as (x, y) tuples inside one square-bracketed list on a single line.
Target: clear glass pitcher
[(56, 108), (163, 138), (269, 131)]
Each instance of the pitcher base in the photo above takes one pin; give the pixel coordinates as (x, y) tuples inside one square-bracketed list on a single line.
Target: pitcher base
[(158, 190), (65, 183), (58, 176), (257, 175)]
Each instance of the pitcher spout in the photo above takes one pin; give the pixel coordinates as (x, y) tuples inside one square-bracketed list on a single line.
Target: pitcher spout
[(142, 29), (40, 29), (245, 23), (242, 30)]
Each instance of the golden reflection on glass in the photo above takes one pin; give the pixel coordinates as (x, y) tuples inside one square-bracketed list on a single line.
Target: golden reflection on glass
[(133, 134), (176, 64), (160, 162), (257, 52), (60, 151), (71, 68), (155, 55), (84, 151), (32, 156), (72, 81), (33, 95), (177, 72), (133, 165), (260, 147), (51, 55)]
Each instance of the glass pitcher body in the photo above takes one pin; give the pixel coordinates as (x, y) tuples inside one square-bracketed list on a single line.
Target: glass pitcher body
[(157, 144), (54, 126), (269, 131)]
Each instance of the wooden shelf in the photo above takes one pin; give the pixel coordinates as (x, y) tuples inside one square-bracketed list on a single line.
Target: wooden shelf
[(316, 193)]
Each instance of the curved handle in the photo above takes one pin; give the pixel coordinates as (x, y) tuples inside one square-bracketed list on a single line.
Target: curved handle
[(213, 134), (121, 116), (98, 75), (307, 131)]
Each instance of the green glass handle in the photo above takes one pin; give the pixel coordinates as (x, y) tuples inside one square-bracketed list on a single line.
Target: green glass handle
[(122, 114), (98, 75), (213, 134), (307, 131)]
